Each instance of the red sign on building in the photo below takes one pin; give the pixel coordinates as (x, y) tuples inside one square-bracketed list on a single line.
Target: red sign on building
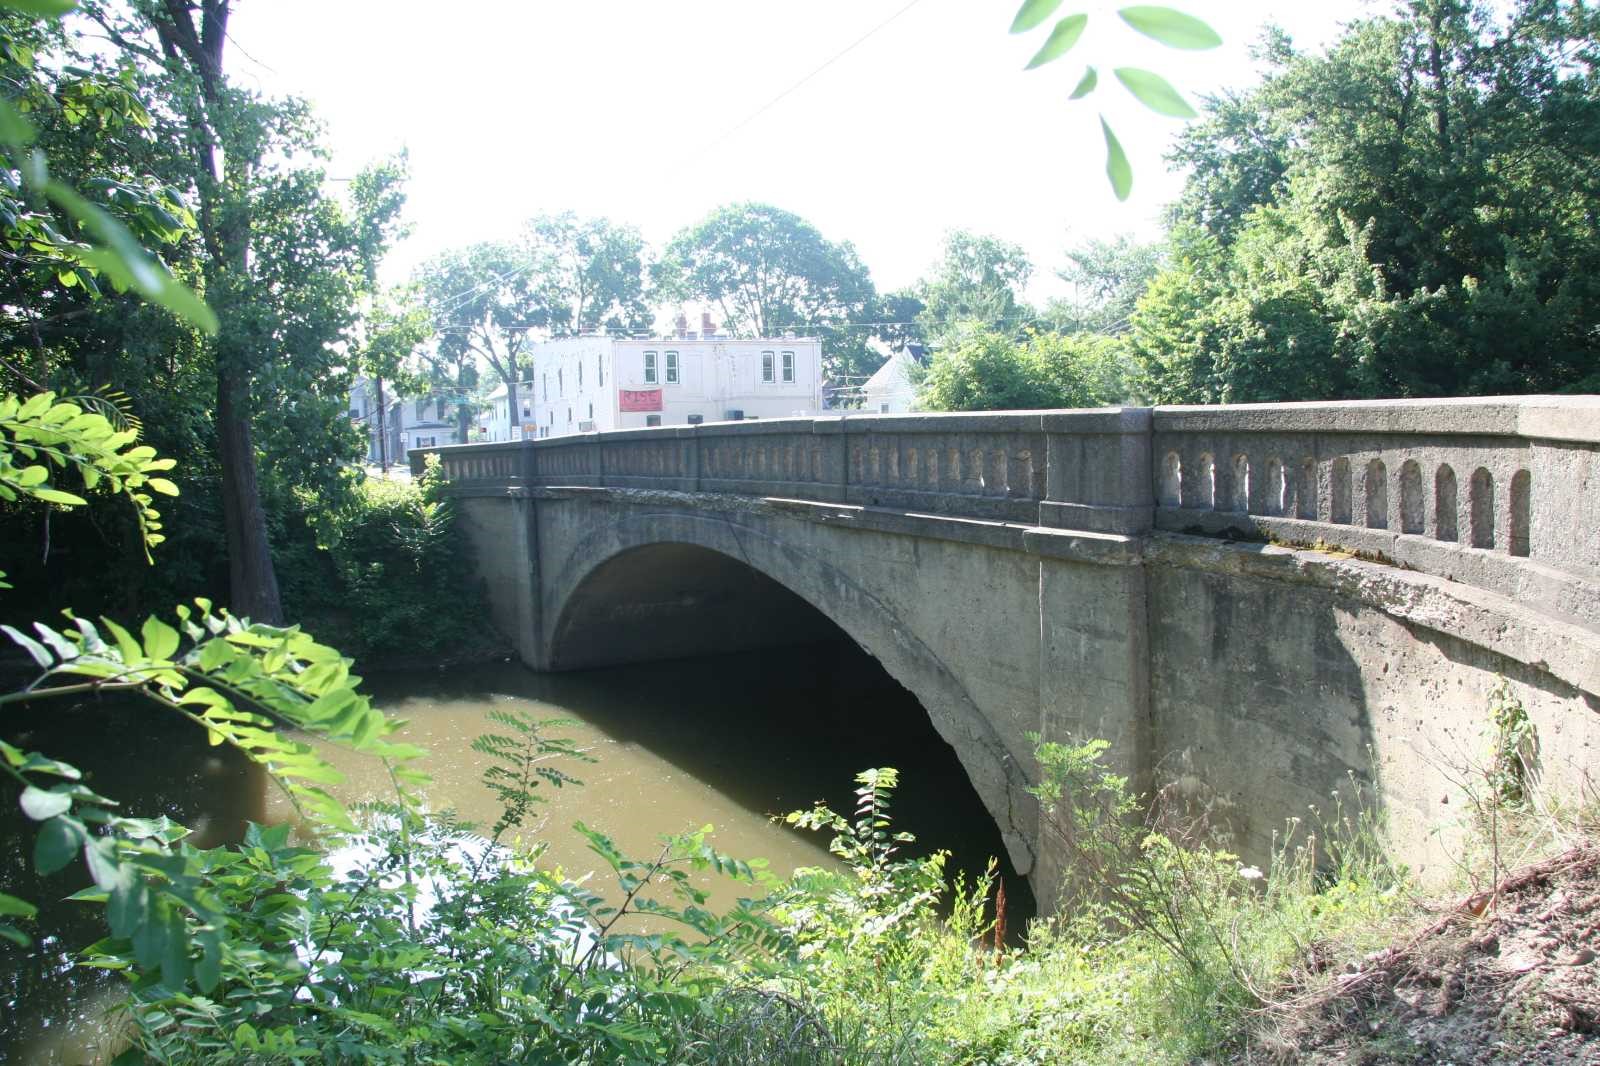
[(639, 399)]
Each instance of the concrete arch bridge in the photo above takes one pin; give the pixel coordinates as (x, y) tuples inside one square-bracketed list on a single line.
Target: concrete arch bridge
[(1257, 601)]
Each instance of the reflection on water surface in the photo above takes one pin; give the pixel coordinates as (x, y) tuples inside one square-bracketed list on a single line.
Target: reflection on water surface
[(729, 741)]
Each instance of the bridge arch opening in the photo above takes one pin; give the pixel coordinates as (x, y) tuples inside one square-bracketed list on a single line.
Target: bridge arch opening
[(818, 705)]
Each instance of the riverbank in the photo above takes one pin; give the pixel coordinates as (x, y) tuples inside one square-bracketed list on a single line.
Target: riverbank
[(1501, 976)]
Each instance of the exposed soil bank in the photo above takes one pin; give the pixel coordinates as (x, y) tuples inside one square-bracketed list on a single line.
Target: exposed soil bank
[(1510, 976)]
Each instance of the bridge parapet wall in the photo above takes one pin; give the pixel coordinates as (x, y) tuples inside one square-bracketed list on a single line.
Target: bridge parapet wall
[(1069, 469), (1503, 494)]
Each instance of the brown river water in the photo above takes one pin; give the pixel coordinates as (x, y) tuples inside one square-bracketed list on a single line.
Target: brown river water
[(730, 741)]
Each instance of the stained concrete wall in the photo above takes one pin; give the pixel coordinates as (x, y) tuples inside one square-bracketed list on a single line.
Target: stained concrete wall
[(1282, 677)]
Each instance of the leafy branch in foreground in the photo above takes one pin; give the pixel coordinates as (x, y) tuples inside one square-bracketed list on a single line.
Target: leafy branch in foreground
[(244, 684), (1169, 26), (111, 251), (238, 680), (41, 433)]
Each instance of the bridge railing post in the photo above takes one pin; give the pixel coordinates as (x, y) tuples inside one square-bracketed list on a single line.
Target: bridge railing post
[(1098, 471)]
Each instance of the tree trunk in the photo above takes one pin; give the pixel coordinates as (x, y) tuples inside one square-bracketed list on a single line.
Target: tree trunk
[(253, 583), (513, 412), (383, 431), (252, 580)]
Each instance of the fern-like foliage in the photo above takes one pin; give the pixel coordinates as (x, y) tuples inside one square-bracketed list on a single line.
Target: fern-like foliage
[(521, 760)]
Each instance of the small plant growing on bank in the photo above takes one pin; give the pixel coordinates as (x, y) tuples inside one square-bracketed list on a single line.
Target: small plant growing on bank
[(1514, 747)]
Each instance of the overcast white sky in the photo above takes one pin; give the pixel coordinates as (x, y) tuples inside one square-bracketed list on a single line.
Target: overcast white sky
[(637, 110)]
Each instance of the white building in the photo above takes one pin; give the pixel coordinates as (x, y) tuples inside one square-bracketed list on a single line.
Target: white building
[(891, 390), (496, 421), (596, 383), (407, 421)]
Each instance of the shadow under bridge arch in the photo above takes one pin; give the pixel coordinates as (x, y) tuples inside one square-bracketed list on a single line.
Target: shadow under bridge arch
[(662, 586)]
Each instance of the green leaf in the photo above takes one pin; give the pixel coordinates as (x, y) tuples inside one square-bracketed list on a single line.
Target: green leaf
[(1172, 28), (12, 907), (65, 499), (40, 653), (1060, 41), (1154, 92), (208, 971), (41, 805), (41, 8), (58, 841), (1086, 84), (127, 647), (14, 129), (1032, 13), (126, 262), (163, 486), (160, 639), (1118, 168)]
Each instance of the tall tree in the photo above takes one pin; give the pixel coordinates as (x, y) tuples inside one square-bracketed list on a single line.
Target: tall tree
[(1436, 202), (487, 301), (279, 261), (977, 283), (897, 321), (1107, 278), (395, 328), (593, 270), (769, 271), (223, 121)]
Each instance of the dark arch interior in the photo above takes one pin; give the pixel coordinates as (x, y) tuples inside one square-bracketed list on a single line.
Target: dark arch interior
[(676, 601), (779, 705)]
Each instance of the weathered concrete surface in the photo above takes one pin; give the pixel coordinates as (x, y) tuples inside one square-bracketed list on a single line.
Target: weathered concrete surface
[(956, 623), (1281, 677), (1071, 574)]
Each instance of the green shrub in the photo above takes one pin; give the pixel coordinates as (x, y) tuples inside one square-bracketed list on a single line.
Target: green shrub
[(388, 578)]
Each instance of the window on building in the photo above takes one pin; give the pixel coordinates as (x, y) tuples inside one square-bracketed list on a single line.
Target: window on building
[(652, 420), (569, 416), (580, 376), (547, 386), (561, 383), (766, 366), (439, 410), (527, 408), (649, 368), (883, 408), (672, 368), (788, 367), (591, 412), (422, 406), (600, 370)]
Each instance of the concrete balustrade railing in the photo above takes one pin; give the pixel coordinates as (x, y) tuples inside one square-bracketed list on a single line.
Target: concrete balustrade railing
[(1499, 493)]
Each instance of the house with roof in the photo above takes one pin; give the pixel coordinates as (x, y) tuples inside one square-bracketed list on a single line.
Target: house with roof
[(892, 390), (406, 422)]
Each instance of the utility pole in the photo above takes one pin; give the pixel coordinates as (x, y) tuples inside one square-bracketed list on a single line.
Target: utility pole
[(383, 431)]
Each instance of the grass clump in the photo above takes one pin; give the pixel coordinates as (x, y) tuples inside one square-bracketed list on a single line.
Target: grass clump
[(1166, 948)]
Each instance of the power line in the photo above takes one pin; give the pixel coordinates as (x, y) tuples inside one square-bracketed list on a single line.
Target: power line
[(770, 104), (494, 279)]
